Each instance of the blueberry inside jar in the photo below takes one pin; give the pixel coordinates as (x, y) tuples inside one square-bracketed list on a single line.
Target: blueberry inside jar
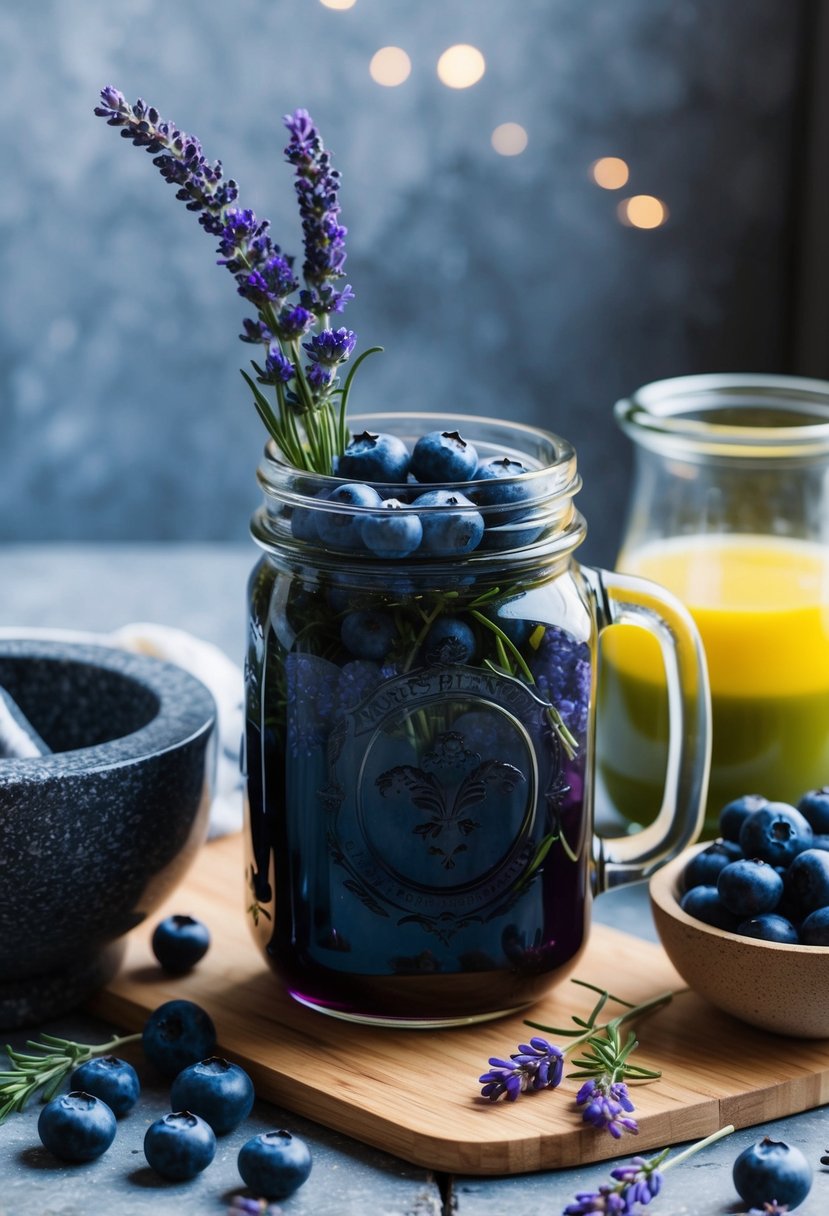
[(419, 704)]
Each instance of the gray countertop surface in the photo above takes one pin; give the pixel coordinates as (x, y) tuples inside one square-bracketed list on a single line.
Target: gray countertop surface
[(201, 588)]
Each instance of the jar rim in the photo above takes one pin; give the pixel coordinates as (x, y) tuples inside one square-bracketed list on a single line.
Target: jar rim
[(729, 414), (543, 509)]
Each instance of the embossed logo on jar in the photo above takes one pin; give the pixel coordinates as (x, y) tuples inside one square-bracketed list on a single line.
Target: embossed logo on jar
[(436, 785)]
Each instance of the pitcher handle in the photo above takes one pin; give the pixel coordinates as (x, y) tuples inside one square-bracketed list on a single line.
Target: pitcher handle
[(624, 599)]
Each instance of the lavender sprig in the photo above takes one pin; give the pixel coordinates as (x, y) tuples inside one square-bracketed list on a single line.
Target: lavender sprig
[(301, 418), (636, 1182), (605, 1063), (47, 1069)]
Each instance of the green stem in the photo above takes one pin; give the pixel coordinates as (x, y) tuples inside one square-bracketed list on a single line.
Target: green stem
[(695, 1148), (646, 1007)]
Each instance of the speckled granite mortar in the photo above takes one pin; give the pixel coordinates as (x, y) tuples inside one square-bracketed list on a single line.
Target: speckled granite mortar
[(94, 836)]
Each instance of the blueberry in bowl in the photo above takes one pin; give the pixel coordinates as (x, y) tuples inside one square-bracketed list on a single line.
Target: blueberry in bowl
[(743, 969)]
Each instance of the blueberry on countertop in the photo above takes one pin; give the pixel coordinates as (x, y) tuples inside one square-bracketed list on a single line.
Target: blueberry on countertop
[(369, 457), (112, 1080), (274, 1164), (443, 456), (775, 833), (749, 887), (771, 1170), (76, 1126), (179, 1145), (179, 942), (177, 1034), (218, 1091)]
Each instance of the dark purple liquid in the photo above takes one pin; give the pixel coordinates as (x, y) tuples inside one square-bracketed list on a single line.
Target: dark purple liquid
[(418, 839)]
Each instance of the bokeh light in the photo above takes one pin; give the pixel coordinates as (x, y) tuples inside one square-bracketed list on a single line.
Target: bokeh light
[(642, 211), (461, 66), (390, 66), (340, 4), (610, 172), (509, 139)]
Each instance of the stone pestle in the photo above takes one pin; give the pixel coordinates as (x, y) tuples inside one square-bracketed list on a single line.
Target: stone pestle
[(18, 738)]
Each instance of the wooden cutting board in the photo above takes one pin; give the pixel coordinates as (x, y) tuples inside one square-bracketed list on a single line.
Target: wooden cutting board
[(414, 1093)]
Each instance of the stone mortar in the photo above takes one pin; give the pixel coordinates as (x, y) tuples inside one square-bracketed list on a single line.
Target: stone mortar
[(94, 836)]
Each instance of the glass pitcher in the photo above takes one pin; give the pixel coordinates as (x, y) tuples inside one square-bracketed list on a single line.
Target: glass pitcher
[(729, 510), (420, 735)]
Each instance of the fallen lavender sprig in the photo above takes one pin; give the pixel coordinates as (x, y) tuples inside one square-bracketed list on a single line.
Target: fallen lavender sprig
[(638, 1181), (605, 1064), (302, 419)]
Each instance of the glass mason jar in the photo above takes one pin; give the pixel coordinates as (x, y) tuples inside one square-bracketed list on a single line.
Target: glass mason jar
[(729, 510), (419, 744)]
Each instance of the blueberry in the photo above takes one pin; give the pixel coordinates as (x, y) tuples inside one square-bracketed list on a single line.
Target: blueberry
[(776, 833), (734, 814), (704, 903), (769, 927), (814, 805), (704, 867), (815, 929), (179, 942), (76, 1126), (340, 527), (393, 533), (447, 532), (449, 640), (219, 1092), (179, 1145), (112, 1080), (383, 458), (443, 456), (500, 488), (177, 1034), (749, 887), (807, 880), (772, 1170), (821, 842), (274, 1164), (368, 634)]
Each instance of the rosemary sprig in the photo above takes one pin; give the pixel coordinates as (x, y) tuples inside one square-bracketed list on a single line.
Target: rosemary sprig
[(46, 1070)]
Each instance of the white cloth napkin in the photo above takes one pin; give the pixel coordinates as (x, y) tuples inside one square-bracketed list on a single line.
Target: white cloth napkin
[(215, 670)]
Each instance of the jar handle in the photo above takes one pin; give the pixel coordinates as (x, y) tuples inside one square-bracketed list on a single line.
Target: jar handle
[(624, 599)]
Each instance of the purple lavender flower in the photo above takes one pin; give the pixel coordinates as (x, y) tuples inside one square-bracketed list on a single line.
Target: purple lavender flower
[(330, 347), (317, 186), (263, 274), (278, 367), (606, 1199), (536, 1065), (642, 1181), (293, 323), (562, 672), (604, 1105), (256, 332)]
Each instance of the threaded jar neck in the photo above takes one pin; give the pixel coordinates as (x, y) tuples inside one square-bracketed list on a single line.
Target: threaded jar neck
[(524, 518), (739, 416)]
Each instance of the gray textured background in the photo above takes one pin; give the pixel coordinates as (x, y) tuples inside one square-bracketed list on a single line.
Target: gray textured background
[(500, 285)]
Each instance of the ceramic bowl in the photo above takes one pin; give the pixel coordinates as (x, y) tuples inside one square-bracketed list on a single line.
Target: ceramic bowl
[(780, 988), (96, 834)]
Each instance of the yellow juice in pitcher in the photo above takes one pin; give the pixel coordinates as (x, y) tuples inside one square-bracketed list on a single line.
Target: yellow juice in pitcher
[(762, 608)]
